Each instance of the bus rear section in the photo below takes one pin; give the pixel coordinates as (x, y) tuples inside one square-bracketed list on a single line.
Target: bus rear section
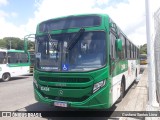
[(143, 59)]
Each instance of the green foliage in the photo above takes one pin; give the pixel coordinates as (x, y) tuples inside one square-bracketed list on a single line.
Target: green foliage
[(15, 43), (143, 49)]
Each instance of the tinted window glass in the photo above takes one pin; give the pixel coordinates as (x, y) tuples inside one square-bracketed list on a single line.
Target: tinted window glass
[(2, 57), (70, 22), (23, 57), (89, 52), (113, 48), (128, 50), (13, 57), (122, 53)]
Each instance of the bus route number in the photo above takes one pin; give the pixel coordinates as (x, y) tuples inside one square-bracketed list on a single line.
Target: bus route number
[(45, 88)]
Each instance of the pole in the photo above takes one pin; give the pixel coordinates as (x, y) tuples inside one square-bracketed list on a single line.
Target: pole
[(150, 54), (10, 44)]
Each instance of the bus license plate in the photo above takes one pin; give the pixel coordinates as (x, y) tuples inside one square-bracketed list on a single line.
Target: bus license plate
[(60, 104)]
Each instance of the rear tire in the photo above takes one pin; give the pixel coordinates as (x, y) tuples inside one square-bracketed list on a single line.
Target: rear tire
[(6, 77), (122, 89)]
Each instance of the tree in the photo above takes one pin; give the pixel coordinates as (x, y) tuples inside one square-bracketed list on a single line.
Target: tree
[(2, 43), (31, 45), (143, 49), (15, 43)]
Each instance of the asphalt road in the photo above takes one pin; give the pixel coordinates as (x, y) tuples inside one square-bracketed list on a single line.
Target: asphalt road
[(17, 95)]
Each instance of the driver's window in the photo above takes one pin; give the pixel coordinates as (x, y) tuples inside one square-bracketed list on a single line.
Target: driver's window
[(53, 49), (112, 45)]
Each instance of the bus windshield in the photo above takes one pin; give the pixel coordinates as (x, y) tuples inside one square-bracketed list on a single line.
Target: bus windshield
[(87, 54)]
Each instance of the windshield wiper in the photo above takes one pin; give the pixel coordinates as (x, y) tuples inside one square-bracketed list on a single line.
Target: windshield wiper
[(75, 39), (51, 41), (53, 44)]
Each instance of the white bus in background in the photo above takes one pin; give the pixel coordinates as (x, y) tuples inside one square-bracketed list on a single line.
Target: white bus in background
[(13, 63)]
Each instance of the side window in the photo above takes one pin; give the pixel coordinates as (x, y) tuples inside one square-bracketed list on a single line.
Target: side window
[(23, 58), (112, 45), (3, 58), (13, 57), (132, 51), (128, 50), (122, 53), (135, 52)]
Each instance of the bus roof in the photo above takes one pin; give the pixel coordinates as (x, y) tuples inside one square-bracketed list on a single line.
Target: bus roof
[(3, 50), (10, 50), (13, 50), (79, 15), (76, 15)]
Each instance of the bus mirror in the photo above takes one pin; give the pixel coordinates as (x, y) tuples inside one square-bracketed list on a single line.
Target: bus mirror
[(119, 44)]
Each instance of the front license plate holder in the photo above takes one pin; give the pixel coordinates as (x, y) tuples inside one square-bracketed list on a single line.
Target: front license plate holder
[(60, 104)]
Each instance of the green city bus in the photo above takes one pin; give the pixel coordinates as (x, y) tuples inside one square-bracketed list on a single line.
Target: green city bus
[(83, 61)]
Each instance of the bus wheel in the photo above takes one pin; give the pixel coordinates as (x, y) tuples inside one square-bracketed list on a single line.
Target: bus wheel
[(121, 92), (6, 77)]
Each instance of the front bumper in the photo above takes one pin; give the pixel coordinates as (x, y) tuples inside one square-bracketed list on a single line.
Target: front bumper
[(99, 100)]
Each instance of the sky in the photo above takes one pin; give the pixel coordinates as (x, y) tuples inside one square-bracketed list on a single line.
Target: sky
[(20, 17)]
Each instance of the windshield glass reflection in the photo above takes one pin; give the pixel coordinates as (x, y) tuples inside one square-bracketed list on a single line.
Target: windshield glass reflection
[(87, 54)]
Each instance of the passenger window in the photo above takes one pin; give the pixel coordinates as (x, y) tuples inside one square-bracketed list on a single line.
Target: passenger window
[(112, 46)]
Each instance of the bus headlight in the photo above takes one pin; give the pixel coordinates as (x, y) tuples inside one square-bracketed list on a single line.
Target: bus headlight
[(98, 85), (35, 82)]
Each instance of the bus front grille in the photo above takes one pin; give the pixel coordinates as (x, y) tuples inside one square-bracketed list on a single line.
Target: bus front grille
[(65, 80), (65, 98)]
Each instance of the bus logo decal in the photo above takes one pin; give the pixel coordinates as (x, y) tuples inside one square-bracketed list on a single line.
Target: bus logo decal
[(60, 92)]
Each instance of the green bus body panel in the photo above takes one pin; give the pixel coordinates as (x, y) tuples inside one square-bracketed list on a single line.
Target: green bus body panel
[(99, 100), (76, 93), (76, 90), (55, 84), (118, 67)]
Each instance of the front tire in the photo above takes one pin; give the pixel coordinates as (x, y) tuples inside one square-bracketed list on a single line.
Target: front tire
[(6, 77)]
